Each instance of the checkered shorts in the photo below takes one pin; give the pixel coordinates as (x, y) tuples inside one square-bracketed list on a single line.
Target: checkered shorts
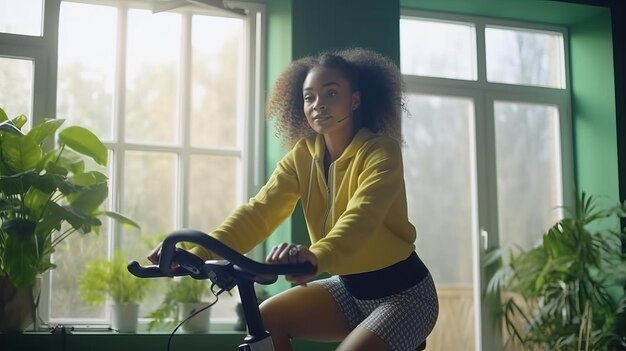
[(403, 320)]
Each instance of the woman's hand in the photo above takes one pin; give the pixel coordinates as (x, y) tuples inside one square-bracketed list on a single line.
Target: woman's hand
[(155, 255), (293, 253)]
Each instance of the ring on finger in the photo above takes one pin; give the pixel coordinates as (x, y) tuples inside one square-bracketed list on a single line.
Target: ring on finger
[(293, 251)]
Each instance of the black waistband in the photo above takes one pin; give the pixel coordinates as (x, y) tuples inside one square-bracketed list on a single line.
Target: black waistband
[(387, 281)]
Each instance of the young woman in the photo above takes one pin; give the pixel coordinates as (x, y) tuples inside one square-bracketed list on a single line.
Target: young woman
[(340, 115)]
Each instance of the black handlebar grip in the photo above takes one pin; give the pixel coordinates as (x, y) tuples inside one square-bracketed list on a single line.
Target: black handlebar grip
[(153, 271)]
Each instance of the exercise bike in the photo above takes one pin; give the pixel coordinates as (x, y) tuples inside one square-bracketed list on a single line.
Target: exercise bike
[(234, 270)]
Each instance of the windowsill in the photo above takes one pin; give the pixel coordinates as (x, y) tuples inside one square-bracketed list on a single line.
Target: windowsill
[(105, 340)]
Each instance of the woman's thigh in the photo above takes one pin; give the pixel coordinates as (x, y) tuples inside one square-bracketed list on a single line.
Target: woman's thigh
[(306, 312)]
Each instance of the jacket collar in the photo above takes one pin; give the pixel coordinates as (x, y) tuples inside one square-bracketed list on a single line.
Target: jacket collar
[(317, 147)]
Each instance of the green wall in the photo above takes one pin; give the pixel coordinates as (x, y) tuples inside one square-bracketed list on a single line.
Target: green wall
[(279, 54), (593, 106), (336, 24)]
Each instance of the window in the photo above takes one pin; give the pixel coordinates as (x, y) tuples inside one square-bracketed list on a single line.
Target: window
[(172, 94), (24, 18), (488, 150)]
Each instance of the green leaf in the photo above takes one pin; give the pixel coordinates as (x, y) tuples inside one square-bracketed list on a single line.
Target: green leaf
[(78, 219), (44, 130), (20, 153), (89, 199), (36, 201), (89, 178), (5, 205), (10, 127), (3, 115), (17, 184), (120, 218), (62, 161), (85, 142), (21, 260), (20, 121), (18, 227)]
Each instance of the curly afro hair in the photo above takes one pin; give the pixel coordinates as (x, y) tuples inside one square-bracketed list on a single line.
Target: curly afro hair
[(375, 76)]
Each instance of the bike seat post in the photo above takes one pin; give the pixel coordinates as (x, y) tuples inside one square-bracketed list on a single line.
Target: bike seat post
[(251, 308)]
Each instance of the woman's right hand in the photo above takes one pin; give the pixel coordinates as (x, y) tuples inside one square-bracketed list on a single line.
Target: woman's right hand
[(155, 254), (293, 253)]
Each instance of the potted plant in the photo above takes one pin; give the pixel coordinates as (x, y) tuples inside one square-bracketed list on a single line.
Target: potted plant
[(46, 195), (566, 293), (104, 278), (183, 297)]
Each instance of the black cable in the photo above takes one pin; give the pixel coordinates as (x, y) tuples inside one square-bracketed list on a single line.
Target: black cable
[(169, 340)]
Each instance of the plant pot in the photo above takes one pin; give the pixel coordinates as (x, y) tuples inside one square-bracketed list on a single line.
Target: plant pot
[(124, 317), (18, 307), (197, 324)]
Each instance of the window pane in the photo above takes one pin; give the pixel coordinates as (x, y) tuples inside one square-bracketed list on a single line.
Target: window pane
[(525, 57), (152, 77), (438, 49), (87, 66), (210, 202), (71, 256), (527, 142), (149, 197), (216, 72), (21, 17), (438, 170), (16, 87)]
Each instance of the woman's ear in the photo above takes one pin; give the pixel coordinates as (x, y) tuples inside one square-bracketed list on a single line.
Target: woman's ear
[(356, 100)]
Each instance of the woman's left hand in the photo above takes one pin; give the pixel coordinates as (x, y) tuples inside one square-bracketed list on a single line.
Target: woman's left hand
[(293, 253)]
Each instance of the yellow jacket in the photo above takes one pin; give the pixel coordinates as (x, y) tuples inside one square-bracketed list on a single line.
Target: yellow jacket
[(357, 220)]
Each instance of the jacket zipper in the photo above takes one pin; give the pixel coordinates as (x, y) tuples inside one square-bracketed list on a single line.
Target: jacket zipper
[(329, 199)]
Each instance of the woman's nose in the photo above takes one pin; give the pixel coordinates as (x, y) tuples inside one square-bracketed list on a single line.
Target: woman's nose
[(319, 107)]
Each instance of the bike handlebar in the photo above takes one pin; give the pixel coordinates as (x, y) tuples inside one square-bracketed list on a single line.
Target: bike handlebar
[(192, 265)]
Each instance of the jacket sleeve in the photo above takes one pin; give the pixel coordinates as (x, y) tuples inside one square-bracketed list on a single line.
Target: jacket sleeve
[(254, 221), (379, 183)]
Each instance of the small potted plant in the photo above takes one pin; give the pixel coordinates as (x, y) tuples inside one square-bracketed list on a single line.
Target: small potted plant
[(183, 297), (46, 195), (104, 278)]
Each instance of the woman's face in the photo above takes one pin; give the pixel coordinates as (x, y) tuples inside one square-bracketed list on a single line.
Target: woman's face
[(329, 101)]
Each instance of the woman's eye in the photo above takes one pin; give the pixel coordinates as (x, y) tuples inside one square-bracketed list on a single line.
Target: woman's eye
[(332, 93), (307, 98)]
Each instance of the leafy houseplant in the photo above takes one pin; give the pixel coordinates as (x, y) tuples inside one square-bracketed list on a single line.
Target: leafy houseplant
[(179, 291), (104, 279), (46, 195), (567, 292)]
